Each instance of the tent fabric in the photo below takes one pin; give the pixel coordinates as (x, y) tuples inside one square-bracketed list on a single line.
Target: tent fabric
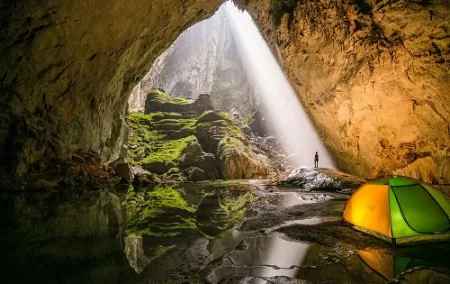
[(399, 210), (388, 265)]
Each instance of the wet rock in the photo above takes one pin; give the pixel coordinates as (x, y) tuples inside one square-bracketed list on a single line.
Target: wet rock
[(194, 156), (313, 178), (143, 177), (195, 174), (246, 130), (134, 252), (157, 167), (125, 172)]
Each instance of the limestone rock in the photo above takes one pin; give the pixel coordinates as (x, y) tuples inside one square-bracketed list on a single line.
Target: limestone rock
[(143, 177), (158, 167), (125, 172), (204, 59), (194, 156), (158, 101), (239, 161), (211, 116), (318, 178), (67, 69), (373, 77), (195, 174)]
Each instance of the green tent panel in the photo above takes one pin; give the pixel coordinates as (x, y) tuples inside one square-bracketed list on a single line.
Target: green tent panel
[(400, 210)]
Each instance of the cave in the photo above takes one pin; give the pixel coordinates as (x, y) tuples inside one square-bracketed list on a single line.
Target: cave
[(372, 76)]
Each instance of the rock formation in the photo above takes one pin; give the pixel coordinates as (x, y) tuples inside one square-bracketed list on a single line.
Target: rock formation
[(67, 69), (204, 59), (188, 139), (373, 76)]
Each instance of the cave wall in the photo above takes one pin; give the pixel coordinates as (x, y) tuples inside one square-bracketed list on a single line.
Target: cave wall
[(374, 77), (67, 68)]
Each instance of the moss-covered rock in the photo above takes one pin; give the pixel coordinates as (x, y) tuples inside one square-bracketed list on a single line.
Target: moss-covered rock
[(192, 138), (239, 161), (160, 101)]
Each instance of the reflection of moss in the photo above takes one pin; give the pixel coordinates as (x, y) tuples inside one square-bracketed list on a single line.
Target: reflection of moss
[(219, 213), (162, 212)]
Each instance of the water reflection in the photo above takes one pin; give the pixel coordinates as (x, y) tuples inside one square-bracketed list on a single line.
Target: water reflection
[(160, 235), (160, 218), (274, 256), (388, 265), (265, 257)]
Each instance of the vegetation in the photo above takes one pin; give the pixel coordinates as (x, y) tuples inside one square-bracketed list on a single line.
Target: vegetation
[(149, 144), (158, 139), (165, 98)]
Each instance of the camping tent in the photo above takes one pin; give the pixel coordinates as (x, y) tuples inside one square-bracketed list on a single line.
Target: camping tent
[(400, 210)]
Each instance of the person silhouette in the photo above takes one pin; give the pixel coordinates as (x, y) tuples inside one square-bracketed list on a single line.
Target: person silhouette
[(316, 160)]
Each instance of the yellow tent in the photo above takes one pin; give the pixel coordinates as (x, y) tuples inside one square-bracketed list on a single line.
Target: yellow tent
[(399, 210)]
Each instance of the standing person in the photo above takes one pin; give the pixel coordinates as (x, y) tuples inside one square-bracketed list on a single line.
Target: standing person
[(316, 160)]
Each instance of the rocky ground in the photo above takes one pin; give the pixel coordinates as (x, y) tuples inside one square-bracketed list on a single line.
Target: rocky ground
[(179, 139)]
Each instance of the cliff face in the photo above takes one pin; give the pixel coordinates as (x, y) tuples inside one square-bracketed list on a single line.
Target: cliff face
[(373, 76), (67, 68), (203, 60)]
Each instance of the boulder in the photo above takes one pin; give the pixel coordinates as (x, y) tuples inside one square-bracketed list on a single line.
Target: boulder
[(194, 156), (195, 174), (319, 178), (157, 167), (212, 115), (125, 172), (239, 161), (143, 177), (203, 103)]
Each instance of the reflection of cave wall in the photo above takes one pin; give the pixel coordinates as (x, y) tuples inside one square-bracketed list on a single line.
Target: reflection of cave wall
[(43, 235), (204, 59), (67, 67), (374, 77)]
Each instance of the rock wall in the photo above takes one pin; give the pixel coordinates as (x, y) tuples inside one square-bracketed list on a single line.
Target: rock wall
[(67, 68), (374, 77), (203, 60)]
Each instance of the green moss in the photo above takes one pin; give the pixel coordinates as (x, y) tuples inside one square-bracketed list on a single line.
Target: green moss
[(162, 97), (167, 150), (249, 118), (225, 115), (149, 141)]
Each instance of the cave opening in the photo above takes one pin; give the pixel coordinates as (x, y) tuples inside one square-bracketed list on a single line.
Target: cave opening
[(226, 59)]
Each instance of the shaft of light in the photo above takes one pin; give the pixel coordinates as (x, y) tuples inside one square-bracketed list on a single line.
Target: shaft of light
[(285, 112)]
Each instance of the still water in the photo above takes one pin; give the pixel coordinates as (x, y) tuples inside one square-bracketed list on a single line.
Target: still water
[(196, 234)]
